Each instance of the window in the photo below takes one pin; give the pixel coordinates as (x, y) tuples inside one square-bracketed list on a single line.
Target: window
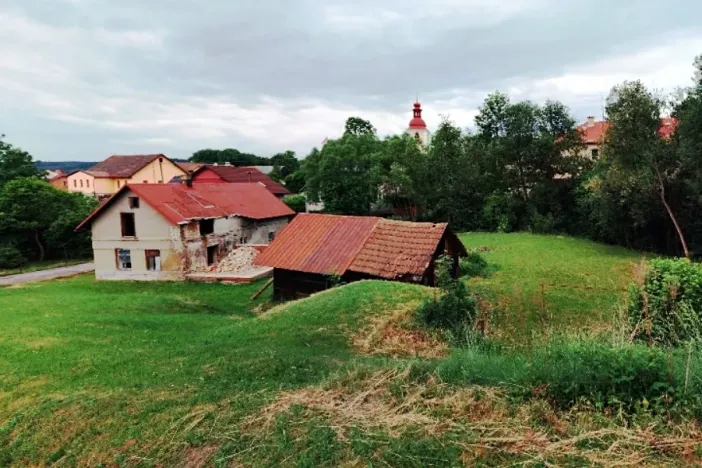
[(87, 183), (124, 259), (75, 182), (206, 226), (595, 153), (271, 236), (211, 255), (118, 183), (133, 202), (146, 181), (81, 183), (153, 260), (128, 227)]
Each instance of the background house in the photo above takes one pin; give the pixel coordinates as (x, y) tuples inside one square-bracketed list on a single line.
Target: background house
[(58, 179), (110, 175), (314, 249), (165, 231), (221, 174), (593, 132)]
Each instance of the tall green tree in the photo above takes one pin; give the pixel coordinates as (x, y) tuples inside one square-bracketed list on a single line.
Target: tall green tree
[(15, 163), (635, 147), (286, 163), (357, 126)]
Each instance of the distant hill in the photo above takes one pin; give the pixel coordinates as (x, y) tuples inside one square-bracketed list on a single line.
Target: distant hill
[(65, 166)]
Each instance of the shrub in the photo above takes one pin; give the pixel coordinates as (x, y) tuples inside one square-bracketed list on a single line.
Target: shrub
[(473, 265), (667, 309), (11, 257), (297, 203), (453, 309)]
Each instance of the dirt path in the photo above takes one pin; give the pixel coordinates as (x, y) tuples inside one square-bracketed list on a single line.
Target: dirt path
[(44, 275)]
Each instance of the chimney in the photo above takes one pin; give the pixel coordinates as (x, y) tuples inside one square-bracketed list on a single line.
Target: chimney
[(591, 121), (188, 180)]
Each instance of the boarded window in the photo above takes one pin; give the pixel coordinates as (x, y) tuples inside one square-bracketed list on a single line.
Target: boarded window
[(206, 226), (124, 259), (81, 183), (153, 260), (87, 183), (133, 202), (211, 255), (271, 236), (75, 182), (128, 227)]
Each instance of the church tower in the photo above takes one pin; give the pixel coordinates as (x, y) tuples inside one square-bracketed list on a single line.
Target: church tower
[(417, 126)]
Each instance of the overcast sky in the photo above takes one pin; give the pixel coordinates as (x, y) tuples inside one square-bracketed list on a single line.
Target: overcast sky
[(84, 79)]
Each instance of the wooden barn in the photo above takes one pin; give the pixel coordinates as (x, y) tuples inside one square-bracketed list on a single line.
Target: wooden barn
[(315, 250)]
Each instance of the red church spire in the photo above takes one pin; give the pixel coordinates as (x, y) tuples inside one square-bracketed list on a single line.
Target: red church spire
[(417, 122)]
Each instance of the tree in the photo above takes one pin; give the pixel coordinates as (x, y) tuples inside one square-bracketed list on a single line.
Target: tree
[(15, 163), (343, 174), (31, 208), (286, 163), (357, 126), (634, 145), (228, 155), (295, 182)]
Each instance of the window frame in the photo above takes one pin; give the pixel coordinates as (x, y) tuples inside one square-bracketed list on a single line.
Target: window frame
[(118, 263), (153, 254), (134, 203), (122, 217), (206, 222)]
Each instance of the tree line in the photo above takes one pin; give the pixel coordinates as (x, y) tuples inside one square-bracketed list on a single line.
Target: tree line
[(37, 219), (525, 169)]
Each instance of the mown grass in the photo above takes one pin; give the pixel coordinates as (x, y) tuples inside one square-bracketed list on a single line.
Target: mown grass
[(180, 374), (551, 284), (43, 265)]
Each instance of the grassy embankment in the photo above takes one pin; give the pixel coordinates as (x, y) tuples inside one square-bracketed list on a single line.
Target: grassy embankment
[(189, 374), (44, 265)]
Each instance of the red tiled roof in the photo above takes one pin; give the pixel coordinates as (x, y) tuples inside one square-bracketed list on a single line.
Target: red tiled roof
[(594, 133), (122, 166), (313, 243), (397, 248), (181, 204), (329, 244), (247, 174), (187, 166)]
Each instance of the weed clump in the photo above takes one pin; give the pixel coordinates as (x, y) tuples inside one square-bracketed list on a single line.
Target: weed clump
[(473, 265)]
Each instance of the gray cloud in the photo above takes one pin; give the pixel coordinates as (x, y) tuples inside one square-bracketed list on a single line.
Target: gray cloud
[(82, 79)]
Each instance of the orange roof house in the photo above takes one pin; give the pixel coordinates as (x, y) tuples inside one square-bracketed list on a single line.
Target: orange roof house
[(166, 231), (314, 248), (594, 131), (214, 174), (110, 175)]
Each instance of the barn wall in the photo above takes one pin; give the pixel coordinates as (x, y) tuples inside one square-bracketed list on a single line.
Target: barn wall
[(288, 285)]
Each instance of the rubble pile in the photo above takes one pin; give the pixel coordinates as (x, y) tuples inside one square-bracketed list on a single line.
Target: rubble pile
[(237, 260)]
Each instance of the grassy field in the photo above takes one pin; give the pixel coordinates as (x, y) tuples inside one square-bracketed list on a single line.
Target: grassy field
[(44, 265), (162, 374)]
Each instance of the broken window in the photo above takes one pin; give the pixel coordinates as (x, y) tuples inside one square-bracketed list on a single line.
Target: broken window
[(128, 226), (211, 255), (124, 259), (133, 202), (271, 236), (153, 260), (206, 226)]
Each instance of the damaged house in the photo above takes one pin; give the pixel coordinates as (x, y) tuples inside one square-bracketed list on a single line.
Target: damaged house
[(166, 231), (316, 250)]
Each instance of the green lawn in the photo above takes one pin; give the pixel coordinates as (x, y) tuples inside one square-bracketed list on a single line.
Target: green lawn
[(548, 284), (44, 265), (174, 374)]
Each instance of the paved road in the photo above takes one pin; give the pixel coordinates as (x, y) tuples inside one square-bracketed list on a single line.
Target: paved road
[(44, 275)]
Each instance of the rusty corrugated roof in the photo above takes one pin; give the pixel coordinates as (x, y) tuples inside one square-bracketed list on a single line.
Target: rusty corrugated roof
[(397, 248), (317, 243), (247, 174), (179, 203), (329, 244)]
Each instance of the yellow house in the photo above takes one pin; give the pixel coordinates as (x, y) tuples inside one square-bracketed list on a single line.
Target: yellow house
[(106, 178)]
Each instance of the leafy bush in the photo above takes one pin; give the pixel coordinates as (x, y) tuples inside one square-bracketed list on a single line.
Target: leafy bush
[(297, 203), (473, 265), (667, 309), (11, 257), (453, 309)]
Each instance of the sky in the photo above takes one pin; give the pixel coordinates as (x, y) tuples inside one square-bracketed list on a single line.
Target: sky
[(85, 79)]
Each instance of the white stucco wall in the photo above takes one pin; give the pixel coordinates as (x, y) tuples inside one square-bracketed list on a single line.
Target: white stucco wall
[(153, 232)]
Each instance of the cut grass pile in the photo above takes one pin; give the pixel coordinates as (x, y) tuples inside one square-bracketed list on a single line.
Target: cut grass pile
[(173, 374)]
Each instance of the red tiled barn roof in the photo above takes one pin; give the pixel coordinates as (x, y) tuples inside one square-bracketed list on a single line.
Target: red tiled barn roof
[(122, 166), (181, 204), (330, 244), (236, 174)]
